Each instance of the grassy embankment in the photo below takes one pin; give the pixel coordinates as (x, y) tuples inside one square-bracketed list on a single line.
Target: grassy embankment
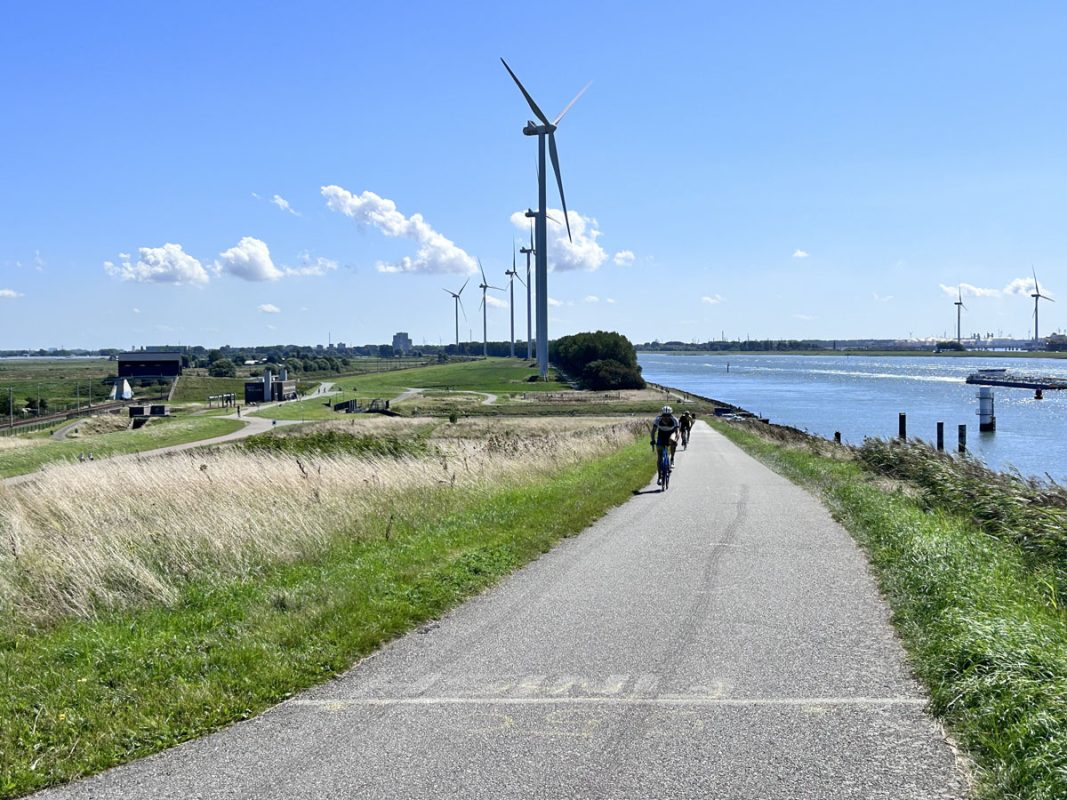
[(60, 383), (973, 565), (169, 611), (22, 454)]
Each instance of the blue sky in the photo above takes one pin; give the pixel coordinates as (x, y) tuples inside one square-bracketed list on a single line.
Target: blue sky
[(231, 173)]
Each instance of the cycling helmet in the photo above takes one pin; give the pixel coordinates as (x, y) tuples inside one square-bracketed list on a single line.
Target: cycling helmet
[(668, 410)]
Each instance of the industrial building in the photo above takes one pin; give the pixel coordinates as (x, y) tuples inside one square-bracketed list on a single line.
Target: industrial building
[(401, 343), (270, 388), (149, 364)]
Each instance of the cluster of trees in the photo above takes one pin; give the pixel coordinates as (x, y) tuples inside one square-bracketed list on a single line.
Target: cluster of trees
[(601, 360), (9, 404)]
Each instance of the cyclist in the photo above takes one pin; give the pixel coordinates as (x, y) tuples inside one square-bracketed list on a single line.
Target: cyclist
[(664, 433), (686, 422)]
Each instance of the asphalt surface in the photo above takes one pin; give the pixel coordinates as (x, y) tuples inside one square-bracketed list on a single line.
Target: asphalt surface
[(720, 640)]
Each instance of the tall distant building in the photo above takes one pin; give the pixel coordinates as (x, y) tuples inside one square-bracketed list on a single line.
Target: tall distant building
[(401, 343)]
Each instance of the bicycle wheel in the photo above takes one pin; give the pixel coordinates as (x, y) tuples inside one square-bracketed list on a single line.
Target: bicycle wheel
[(664, 469)]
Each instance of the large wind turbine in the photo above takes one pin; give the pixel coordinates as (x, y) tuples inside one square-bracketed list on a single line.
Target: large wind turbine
[(959, 307), (545, 129), (459, 305), (512, 275), (485, 287), (1038, 297)]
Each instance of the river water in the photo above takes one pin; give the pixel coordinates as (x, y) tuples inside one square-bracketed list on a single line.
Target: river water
[(861, 396)]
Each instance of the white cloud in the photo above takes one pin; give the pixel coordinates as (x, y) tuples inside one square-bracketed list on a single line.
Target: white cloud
[(1019, 286), (711, 300), (800, 254), (554, 302), (166, 264), (805, 317), (564, 255), (136, 311), (38, 263), (624, 258), (269, 308), (610, 301), (10, 293), (878, 298), (249, 260), (495, 302), (436, 253), (591, 298), (317, 266), (283, 204)]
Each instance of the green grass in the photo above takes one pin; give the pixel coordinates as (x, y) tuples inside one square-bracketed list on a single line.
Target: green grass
[(84, 696), (332, 442), (194, 389), (61, 382), (984, 630), (158, 433)]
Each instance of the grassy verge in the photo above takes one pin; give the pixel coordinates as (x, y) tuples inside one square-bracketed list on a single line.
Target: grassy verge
[(35, 453), (983, 628), (85, 695)]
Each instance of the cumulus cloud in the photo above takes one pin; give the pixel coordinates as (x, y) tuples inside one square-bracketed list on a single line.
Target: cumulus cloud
[(805, 317), (269, 308), (564, 255), (436, 253), (591, 298), (610, 301), (1019, 286), (711, 300), (880, 299), (38, 263), (554, 302), (800, 254), (166, 264), (249, 260), (495, 302), (624, 258), (136, 310), (9, 293), (317, 266)]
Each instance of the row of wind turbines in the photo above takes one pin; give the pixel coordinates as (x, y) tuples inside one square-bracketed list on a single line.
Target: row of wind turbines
[(546, 134), (1038, 297)]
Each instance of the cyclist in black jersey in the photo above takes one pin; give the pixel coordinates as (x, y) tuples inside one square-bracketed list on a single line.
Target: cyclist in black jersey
[(664, 433)]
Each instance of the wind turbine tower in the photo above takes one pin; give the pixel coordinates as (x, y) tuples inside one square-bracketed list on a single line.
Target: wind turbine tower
[(459, 305), (545, 130), (1038, 297), (529, 251), (485, 287), (512, 275), (959, 307)]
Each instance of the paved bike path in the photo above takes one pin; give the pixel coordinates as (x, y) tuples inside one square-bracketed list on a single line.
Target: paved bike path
[(720, 640)]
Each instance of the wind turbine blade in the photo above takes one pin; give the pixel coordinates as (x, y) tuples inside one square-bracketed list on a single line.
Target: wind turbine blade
[(481, 270), (533, 106), (559, 181), (1037, 287), (517, 275), (571, 103), (463, 287), (531, 234), (461, 308), (498, 288), (512, 255), (449, 292)]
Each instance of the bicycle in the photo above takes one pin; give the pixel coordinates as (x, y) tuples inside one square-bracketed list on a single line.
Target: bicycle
[(664, 467), (685, 438)]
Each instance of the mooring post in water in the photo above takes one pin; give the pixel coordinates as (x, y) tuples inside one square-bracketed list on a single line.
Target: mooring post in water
[(987, 418), (902, 425), (941, 436), (963, 439), (837, 437)]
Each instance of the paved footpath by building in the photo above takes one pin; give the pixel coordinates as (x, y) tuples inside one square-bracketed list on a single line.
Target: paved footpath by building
[(720, 640)]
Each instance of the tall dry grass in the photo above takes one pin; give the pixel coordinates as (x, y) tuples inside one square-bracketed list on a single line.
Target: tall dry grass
[(85, 538)]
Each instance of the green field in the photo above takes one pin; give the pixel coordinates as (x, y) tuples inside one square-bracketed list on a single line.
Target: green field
[(35, 451), (62, 383)]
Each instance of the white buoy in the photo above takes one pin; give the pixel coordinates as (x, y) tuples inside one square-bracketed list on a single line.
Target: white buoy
[(987, 420)]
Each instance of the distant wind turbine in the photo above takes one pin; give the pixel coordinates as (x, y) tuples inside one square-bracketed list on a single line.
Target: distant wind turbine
[(1038, 297), (485, 287), (545, 129), (459, 305), (528, 251), (512, 275), (959, 307)]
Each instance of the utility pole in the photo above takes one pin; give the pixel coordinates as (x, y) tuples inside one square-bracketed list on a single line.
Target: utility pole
[(10, 407)]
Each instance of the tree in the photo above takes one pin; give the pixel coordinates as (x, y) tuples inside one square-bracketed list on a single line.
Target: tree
[(222, 368), (601, 360)]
